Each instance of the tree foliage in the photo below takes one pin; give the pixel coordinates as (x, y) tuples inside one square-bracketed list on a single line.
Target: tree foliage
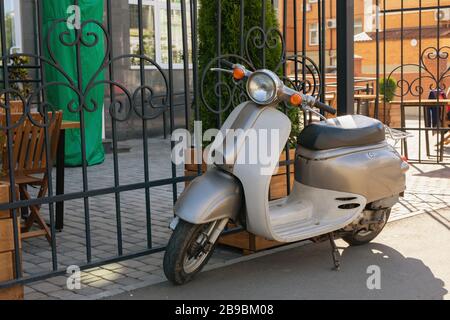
[(231, 44)]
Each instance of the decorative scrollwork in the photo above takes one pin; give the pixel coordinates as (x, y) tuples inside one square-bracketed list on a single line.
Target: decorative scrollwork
[(435, 80), (143, 101)]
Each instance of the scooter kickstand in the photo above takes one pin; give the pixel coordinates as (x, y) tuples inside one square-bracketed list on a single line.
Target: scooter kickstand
[(334, 252)]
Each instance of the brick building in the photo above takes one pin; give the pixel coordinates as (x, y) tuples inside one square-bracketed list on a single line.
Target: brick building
[(419, 32)]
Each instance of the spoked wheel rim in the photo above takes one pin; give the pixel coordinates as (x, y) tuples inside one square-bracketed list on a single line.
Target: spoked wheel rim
[(363, 233), (197, 251)]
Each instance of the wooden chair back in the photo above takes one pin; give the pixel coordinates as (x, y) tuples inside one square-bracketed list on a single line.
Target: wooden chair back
[(28, 149), (15, 107)]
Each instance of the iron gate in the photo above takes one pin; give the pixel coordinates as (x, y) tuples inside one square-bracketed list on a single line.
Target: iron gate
[(148, 101), (168, 82), (422, 40)]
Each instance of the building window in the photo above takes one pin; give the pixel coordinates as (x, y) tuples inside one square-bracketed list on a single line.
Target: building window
[(358, 26), (314, 34), (154, 23), (13, 26)]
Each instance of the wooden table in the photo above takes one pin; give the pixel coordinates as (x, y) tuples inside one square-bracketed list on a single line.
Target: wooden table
[(426, 103), (60, 157)]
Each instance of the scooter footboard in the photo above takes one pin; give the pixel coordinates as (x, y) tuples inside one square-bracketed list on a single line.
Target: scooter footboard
[(212, 196)]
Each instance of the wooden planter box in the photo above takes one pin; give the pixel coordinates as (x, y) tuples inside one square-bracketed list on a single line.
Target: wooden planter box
[(7, 249), (250, 243), (393, 117)]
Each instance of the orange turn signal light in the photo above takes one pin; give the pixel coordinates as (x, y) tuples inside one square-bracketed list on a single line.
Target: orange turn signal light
[(295, 99), (238, 73)]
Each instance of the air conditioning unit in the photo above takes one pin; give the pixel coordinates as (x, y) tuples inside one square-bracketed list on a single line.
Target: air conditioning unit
[(331, 23), (308, 7), (442, 14)]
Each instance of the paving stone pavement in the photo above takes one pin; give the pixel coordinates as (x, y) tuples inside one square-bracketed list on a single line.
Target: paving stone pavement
[(428, 188)]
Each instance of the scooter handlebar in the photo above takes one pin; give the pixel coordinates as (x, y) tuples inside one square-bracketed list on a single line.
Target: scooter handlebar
[(324, 107), (286, 91)]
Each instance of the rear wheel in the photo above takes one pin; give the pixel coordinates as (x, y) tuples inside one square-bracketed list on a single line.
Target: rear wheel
[(365, 235), (188, 251)]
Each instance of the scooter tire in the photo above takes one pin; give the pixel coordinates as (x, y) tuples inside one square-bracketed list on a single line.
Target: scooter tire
[(177, 249), (355, 239)]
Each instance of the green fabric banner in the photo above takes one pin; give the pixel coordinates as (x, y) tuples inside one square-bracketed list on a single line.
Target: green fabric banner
[(91, 58)]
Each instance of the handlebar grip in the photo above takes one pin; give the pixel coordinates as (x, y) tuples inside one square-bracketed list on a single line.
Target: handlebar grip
[(324, 107)]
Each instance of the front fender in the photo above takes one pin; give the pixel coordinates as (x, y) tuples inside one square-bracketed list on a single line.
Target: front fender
[(212, 196)]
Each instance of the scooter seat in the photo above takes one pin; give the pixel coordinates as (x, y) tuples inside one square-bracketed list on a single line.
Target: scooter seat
[(344, 131)]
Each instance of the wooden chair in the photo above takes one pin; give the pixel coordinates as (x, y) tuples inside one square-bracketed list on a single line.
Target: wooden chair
[(30, 164)]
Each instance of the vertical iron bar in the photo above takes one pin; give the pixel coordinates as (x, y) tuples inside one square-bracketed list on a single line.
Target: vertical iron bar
[(345, 56), (304, 32), (377, 49), (114, 132), (48, 168), (288, 171), (184, 31), (403, 124), (9, 134), (171, 102), (241, 27), (420, 83), (439, 135), (40, 44), (195, 70), (384, 58), (148, 216), (322, 42), (263, 27), (83, 145), (219, 52), (294, 17)]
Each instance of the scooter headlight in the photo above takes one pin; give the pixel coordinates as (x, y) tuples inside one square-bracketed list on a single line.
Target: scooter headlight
[(262, 87)]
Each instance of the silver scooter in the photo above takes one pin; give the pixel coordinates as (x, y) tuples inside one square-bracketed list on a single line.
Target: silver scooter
[(347, 178)]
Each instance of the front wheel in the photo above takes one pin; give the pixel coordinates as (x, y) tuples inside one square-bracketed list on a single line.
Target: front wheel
[(368, 233), (188, 251)]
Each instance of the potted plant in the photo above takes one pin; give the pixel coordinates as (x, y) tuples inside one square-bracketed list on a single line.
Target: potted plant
[(388, 113)]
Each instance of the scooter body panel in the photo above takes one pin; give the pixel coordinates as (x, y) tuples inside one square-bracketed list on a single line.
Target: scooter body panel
[(255, 177), (212, 196), (308, 212), (373, 171)]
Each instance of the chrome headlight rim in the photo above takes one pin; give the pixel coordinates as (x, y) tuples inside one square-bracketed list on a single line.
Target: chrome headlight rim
[(276, 86)]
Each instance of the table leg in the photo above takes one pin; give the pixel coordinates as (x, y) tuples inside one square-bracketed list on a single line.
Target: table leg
[(441, 133), (59, 224), (403, 124), (427, 124)]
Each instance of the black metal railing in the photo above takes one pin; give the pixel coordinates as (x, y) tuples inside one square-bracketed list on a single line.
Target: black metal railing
[(415, 80), (148, 101)]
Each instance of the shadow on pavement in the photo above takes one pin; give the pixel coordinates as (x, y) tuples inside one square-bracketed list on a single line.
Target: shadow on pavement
[(305, 273), (401, 277)]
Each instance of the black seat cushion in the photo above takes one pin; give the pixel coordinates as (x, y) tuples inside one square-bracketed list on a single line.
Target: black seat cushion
[(345, 131)]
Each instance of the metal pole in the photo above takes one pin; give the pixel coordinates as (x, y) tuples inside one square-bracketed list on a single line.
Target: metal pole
[(345, 54)]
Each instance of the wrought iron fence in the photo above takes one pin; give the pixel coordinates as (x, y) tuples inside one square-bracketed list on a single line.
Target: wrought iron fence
[(147, 101), (416, 80)]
